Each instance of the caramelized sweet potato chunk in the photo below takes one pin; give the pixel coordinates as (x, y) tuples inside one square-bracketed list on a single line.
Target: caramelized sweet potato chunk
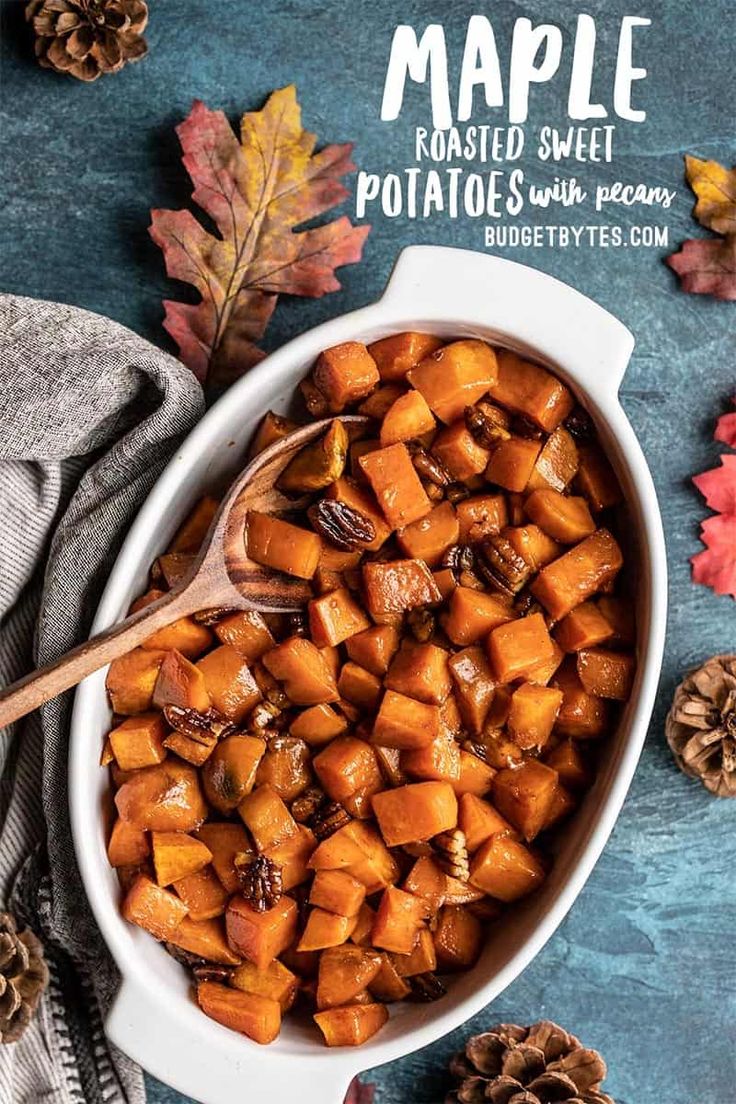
[(282, 546), (360, 687), (260, 936), (398, 585), (181, 683), (334, 617), (516, 649), (429, 538), (396, 485), (205, 939), (246, 632), (175, 854), (439, 761), (581, 716), (533, 714), (344, 972), (361, 499), (455, 376), (337, 891), (405, 723), (505, 869), (185, 635), (399, 917), (408, 417), (304, 671), (524, 795), (596, 479), (230, 684), (131, 680), (583, 627), (557, 463), (479, 821), (474, 685), (459, 451), (374, 648), (512, 463), (249, 1013), (577, 575), (352, 1024), (348, 766), (420, 671), (273, 427), (267, 818), (153, 908), (606, 674), (138, 741), (164, 798), (276, 982), (415, 812), (225, 841), (194, 529), (230, 771), (473, 614), (128, 844), (475, 775), (532, 544), (532, 391), (325, 929), (344, 374), (202, 893), (565, 518), (318, 725), (397, 354), (481, 516), (458, 939)]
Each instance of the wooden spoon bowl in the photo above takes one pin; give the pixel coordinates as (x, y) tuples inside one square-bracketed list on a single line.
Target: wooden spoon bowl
[(221, 575)]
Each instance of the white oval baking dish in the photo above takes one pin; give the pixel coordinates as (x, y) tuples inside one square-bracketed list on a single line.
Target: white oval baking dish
[(455, 293)]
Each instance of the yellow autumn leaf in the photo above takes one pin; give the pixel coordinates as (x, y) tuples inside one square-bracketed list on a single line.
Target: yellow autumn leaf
[(715, 187)]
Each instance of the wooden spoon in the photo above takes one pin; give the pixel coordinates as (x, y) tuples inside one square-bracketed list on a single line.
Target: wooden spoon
[(221, 575)]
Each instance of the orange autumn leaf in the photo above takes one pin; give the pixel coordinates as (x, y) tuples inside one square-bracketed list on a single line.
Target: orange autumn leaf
[(257, 188), (715, 187)]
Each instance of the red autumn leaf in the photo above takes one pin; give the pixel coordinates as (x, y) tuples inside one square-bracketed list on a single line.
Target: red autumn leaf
[(707, 266), (257, 189), (358, 1093), (726, 430), (718, 486), (716, 566)]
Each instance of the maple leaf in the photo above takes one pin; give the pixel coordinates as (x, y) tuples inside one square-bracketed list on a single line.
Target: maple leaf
[(716, 565), (257, 189), (715, 187), (359, 1093), (707, 266), (726, 429)]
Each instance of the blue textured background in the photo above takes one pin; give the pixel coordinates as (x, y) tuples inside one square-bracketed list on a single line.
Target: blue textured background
[(643, 968)]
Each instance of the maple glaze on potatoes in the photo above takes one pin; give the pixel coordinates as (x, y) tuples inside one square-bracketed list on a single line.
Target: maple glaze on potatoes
[(333, 808)]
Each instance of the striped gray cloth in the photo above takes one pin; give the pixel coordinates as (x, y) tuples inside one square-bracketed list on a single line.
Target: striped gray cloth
[(89, 415)]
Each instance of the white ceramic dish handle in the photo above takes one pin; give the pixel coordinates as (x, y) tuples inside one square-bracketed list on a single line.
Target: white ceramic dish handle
[(173, 1052), (524, 305)]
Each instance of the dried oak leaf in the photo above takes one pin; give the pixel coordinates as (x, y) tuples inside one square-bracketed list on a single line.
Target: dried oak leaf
[(707, 266), (716, 565), (715, 187), (256, 189)]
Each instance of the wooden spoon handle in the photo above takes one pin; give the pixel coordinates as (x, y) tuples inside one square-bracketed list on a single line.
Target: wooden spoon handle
[(28, 693)]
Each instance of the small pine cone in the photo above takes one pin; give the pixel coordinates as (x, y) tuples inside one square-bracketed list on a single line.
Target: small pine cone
[(451, 853), (701, 725), (260, 880), (328, 819), (86, 38), (527, 1065), (23, 977)]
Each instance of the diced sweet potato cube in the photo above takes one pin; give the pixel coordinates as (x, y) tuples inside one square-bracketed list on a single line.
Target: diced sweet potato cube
[(606, 674), (325, 929), (533, 714), (429, 538), (205, 939), (318, 725), (399, 917), (138, 741), (261, 936), (458, 450), (351, 1025), (479, 821), (397, 354), (190, 750), (524, 794), (436, 762), (230, 771), (361, 499), (374, 648), (303, 669), (512, 463), (421, 959), (255, 1016), (376, 868), (267, 818), (317, 464), (175, 854), (455, 376), (543, 671), (619, 613), (131, 679), (388, 985), (377, 406), (481, 516), (408, 417), (562, 805), (420, 671), (174, 566), (396, 485), (528, 389), (405, 723), (338, 892), (359, 686), (446, 582), (334, 617), (505, 869), (180, 683), (415, 812), (247, 633), (517, 648), (273, 427), (190, 535), (565, 518), (164, 798), (345, 374), (276, 982), (153, 908), (583, 627), (186, 635), (344, 972), (596, 479), (476, 777), (286, 766), (128, 844), (231, 686), (202, 893), (337, 852), (532, 544), (557, 463), (581, 716), (569, 763), (398, 585), (282, 546), (362, 932), (348, 766), (458, 939), (225, 841), (293, 857), (428, 881), (472, 614), (576, 576), (474, 686)]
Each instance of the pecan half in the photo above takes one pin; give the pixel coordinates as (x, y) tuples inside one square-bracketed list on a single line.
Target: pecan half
[(204, 728), (451, 854), (341, 525), (525, 427), (457, 492), (260, 880), (501, 566), (428, 466), (487, 424), (328, 819), (212, 972), (421, 622), (579, 424), (426, 987), (306, 805), (459, 558)]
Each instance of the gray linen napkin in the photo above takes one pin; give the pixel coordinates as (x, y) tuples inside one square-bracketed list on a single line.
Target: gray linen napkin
[(89, 415)]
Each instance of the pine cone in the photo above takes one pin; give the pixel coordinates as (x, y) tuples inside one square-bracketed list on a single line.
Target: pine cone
[(701, 725), (527, 1065), (23, 978), (88, 37)]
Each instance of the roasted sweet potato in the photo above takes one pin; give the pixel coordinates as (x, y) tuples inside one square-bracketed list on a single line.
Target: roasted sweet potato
[(334, 617), (230, 771), (361, 499), (619, 613), (164, 798), (397, 354), (458, 450), (474, 686), (475, 775), (530, 390), (344, 972), (565, 518), (439, 761), (337, 891), (516, 649), (455, 376), (317, 464), (225, 841), (188, 637), (205, 939), (293, 856), (523, 795), (260, 936), (358, 849), (422, 958), (377, 406), (128, 844), (282, 546), (247, 633), (429, 538), (189, 536), (415, 812), (351, 1025), (481, 516), (512, 463), (399, 917), (606, 674), (533, 714), (596, 479), (505, 869), (577, 575), (473, 614), (583, 627), (407, 418), (181, 683), (458, 939), (581, 716), (267, 818), (202, 893), (374, 648), (346, 767), (359, 687), (420, 671), (153, 908), (567, 759), (557, 463), (138, 741), (325, 929), (318, 725), (345, 374), (230, 684), (131, 680), (479, 821), (175, 854), (273, 427), (405, 723), (286, 766), (276, 982), (396, 485), (304, 671), (249, 1013), (532, 544), (388, 985), (398, 585)]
